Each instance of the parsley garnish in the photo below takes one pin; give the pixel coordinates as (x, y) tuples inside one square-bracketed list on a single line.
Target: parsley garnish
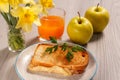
[(69, 56), (64, 47), (51, 49), (55, 47), (77, 48), (53, 40)]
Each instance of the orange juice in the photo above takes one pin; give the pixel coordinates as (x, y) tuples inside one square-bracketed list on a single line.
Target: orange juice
[(51, 26)]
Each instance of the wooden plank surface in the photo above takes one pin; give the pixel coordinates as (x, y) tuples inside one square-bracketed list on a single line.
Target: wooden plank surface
[(105, 46)]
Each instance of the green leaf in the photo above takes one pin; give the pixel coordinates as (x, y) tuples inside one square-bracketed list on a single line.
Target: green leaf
[(49, 50), (64, 46), (53, 40), (77, 48), (80, 48), (69, 56), (13, 20), (74, 49), (5, 17), (55, 47)]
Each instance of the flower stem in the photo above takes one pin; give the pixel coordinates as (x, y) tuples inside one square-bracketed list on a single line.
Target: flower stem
[(5, 17)]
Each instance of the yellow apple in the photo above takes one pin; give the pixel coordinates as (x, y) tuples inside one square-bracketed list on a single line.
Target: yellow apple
[(80, 30), (98, 16)]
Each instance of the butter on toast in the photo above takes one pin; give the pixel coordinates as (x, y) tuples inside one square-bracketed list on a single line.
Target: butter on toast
[(56, 62)]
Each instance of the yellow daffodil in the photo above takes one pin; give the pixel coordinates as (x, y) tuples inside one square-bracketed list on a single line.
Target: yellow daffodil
[(28, 1), (4, 6), (14, 3), (27, 16), (47, 3)]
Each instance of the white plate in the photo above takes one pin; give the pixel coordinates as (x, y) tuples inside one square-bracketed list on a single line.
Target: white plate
[(24, 58)]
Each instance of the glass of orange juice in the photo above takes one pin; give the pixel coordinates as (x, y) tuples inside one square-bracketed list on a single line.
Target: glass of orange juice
[(52, 25)]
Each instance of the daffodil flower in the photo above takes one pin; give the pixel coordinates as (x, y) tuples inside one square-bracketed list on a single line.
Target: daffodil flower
[(4, 6), (47, 3), (28, 1), (14, 3), (27, 16)]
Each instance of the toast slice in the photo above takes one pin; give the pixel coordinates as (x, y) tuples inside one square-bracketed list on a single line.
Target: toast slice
[(56, 62)]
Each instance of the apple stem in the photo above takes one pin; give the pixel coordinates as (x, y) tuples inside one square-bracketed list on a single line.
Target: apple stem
[(97, 6), (79, 21)]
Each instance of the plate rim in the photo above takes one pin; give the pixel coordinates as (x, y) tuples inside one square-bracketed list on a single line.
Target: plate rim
[(21, 78)]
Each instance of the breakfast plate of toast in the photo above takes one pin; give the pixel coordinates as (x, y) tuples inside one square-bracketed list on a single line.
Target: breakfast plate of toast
[(55, 61)]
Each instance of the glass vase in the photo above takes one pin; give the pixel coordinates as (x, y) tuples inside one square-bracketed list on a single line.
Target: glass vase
[(16, 40)]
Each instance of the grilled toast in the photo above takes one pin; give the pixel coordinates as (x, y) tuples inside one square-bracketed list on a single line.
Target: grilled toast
[(56, 62)]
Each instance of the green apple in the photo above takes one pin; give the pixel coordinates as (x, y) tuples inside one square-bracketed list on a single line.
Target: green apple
[(80, 30), (98, 16)]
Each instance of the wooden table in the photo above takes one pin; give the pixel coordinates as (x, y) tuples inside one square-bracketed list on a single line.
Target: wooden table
[(104, 46)]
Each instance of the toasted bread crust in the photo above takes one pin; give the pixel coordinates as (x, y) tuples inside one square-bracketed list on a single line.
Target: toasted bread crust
[(58, 58)]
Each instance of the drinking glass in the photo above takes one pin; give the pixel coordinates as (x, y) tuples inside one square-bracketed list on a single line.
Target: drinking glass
[(52, 24)]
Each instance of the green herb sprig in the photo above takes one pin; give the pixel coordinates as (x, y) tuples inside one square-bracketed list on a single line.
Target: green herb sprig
[(64, 47), (53, 40), (69, 56), (77, 48), (54, 48), (51, 49)]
